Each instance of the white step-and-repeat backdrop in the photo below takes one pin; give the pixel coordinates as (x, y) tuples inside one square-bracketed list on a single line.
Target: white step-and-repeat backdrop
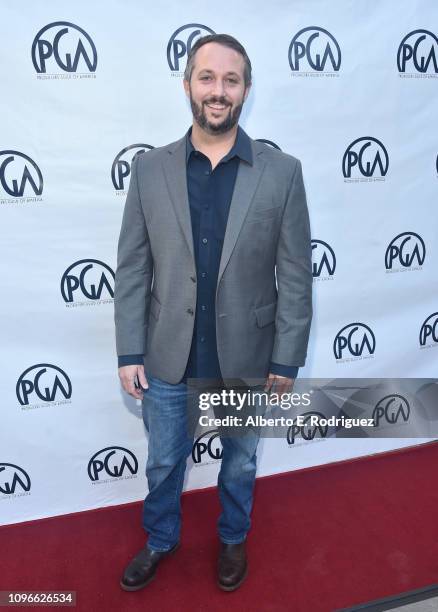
[(350, 88)]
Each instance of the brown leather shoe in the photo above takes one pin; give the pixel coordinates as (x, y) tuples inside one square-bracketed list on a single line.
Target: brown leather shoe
[(141, 570), (232, 566)]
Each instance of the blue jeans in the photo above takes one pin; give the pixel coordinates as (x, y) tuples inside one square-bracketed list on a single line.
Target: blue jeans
[(170, 443)]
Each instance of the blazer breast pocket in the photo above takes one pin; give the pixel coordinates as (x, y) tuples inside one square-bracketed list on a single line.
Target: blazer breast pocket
[(263, 214)]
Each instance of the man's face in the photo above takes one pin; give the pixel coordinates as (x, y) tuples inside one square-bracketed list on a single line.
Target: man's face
[(217, 89)]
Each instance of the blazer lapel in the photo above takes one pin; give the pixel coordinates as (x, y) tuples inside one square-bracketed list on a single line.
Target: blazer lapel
[(247, 180), (175, 172)]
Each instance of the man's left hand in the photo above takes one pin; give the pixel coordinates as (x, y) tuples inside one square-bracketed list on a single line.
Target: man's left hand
[(279, 384)]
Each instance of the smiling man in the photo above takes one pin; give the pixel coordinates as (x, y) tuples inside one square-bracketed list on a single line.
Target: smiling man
[(217, 114), (213, 282)]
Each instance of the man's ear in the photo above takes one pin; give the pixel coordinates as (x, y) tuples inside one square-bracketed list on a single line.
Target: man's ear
[(246, 94), (186, 87)]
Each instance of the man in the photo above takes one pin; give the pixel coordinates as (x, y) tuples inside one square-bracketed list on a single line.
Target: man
[(213, 281)]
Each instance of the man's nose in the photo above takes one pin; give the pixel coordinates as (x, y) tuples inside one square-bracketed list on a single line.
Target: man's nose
[(218, 88)]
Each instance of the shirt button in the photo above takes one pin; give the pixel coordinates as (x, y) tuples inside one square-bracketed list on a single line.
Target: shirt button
[(203, 274), (207, 172), (203, 307), (204, 240), (202, 338), (190, 311)]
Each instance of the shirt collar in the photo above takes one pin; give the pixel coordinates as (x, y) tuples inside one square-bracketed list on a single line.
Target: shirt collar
[(241, 147)]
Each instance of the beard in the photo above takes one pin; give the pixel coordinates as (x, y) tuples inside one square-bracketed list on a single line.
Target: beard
[(230, 120)]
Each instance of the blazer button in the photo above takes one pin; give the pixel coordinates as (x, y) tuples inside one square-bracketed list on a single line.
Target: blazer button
[(190, 311)]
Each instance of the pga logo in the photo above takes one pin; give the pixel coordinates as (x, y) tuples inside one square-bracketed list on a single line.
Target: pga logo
[(113, 461), (314, 49), (307, 431), (391, 409), (323, 259), (355, 340), (45, 382), (429, 331), (181, 42), (20, 176), (366, 157), (208, 445), (13, 478), (405, 249), (89, 278), (63, 47), (418, 53), (121, 166)]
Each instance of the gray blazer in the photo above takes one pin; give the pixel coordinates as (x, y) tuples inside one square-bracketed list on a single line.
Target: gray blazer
[(264, 287)]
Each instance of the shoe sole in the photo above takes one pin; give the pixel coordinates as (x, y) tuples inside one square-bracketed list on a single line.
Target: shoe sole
[(137, 587), (234, 586)]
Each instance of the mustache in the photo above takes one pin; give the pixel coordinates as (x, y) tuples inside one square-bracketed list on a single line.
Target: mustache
[(221, 101)]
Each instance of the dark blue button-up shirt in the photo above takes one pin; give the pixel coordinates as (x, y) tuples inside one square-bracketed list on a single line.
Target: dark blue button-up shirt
[(210, 192)]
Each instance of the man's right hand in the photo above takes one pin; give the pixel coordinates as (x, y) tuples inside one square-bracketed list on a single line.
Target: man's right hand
[(128, 375)]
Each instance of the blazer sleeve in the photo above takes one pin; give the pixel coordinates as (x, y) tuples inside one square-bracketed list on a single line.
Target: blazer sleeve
[(134, 273), (294, 278)]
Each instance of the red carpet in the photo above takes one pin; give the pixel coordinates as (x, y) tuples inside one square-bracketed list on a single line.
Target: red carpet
[(322, 539)]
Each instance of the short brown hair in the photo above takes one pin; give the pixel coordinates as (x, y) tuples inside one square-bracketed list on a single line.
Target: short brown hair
[(227, 41)]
